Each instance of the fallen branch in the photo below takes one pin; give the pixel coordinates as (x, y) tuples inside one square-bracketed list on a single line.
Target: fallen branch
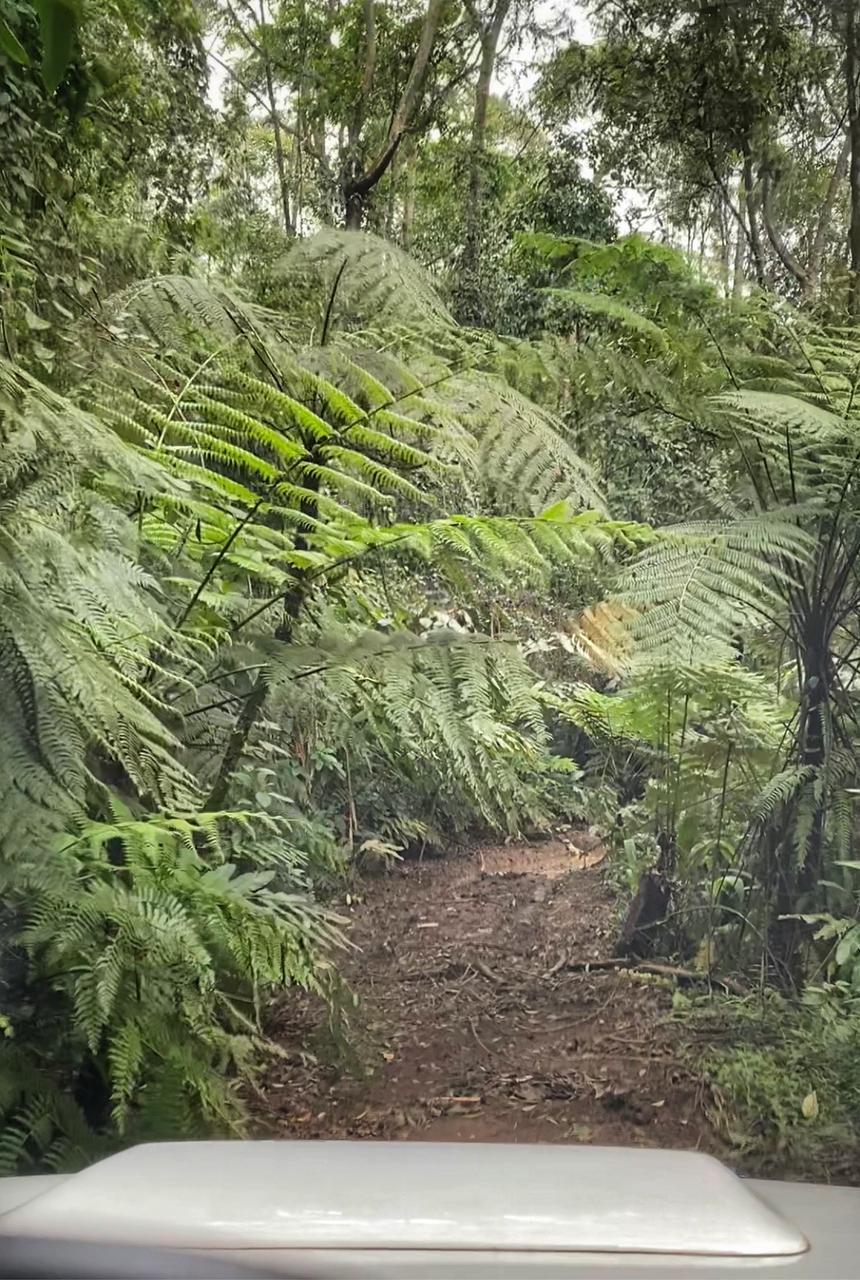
[(660, 970), (484, 970)]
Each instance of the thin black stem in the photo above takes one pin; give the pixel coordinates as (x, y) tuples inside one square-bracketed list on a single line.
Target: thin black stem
[(331, 301)]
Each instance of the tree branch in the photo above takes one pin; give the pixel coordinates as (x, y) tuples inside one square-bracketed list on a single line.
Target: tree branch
[(356, 189)]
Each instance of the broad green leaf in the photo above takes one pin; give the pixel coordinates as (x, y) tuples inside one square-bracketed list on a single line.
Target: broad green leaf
[(58, 22), (11, 45), (558, 511), (45, 354), (33, 321), (848, 946)]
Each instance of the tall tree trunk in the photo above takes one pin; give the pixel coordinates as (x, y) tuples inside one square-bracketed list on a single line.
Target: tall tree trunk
[(269, 102), (353, 202), (277, 132), (825, 217), (391, 202), (740, 246), (359, 182), (744, 216), (280, 159), (330, 187), (795, 888), (795, 885), (751, 201), (409, 200), (489, 34), (255, 701), (852, 69), (298, 172), (294, 600), (725, 236)]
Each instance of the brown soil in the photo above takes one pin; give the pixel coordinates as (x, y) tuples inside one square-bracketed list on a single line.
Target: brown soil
[(469, 1029)]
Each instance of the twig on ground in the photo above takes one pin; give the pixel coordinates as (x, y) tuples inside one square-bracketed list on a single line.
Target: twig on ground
[(485, 971), (559, 964), (730, 985), (478, 1039)]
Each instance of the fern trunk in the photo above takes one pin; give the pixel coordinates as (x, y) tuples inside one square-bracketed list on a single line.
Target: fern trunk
[(252, 709), (293, 601), (797, 848)]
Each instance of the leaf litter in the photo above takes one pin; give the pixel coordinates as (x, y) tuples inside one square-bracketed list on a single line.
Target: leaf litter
[(475, 1029)]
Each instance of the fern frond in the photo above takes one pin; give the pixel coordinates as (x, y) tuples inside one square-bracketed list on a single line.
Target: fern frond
[(703, 583)]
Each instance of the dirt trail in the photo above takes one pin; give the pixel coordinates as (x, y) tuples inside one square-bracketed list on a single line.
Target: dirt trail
[(470, 1035)]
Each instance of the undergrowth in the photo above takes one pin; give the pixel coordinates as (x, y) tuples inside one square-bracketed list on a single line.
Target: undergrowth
[(784, 1079)]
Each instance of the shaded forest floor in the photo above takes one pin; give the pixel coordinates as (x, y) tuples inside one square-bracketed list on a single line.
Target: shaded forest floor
[(467, 1028)]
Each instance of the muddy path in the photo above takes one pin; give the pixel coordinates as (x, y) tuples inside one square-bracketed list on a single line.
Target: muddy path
[(469, 1029)]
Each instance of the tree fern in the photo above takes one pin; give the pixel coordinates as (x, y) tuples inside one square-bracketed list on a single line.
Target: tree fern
[(705, 583), (74, 595), (164, 309), (197, 571), (368, 278)]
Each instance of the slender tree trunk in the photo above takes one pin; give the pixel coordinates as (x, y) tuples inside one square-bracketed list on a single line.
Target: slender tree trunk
[(277, 132), (852, 69), (489, 36), (786, 257), (293, 602), (328, 180), (782, 934), (256, 699), (409, 200), (251, 709), (751, 202), (280, 160), (740, 246), (354, 203), (357, 185), (719, 213), (825, 218), (298, 154), (391, 203)]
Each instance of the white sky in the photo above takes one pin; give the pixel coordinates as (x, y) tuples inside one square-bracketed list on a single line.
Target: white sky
[(518, 76)]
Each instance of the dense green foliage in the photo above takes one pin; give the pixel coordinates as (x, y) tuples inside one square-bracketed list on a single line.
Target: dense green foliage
[(365, 483)]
